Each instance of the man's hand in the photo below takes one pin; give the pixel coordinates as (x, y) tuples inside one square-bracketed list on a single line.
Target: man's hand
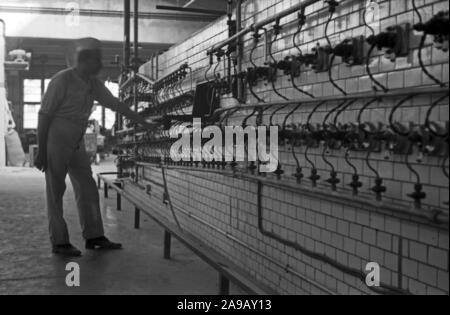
[(40, 162), (135, 117), (149, 126)]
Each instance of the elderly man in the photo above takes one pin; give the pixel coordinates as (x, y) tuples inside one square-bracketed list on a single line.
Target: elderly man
[(63, 119)]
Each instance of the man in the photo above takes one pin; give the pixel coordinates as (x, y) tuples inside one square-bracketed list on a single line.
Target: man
[(63, 119)]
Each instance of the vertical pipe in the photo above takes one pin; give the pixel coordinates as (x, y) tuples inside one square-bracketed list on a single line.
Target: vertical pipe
[(230, 53), (126, 46), (105, 188), (400, 263), (157, 66), (136, 35), (167, 244), (152, 74), (119, 198), (137, 218), (224, 285), (136, 58), (103, 117), (239, 52)]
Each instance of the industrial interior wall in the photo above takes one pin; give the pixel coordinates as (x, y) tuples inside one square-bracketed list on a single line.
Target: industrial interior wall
[(323, 235)]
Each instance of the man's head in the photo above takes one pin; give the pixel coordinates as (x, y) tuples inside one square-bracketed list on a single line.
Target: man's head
[(88, 55)]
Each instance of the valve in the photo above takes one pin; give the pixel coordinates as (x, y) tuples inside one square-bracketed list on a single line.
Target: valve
[(428, 143), (308, 60), (290, 66), (356, 184), (438, 27), (333, 180), (314, 177), (322, 58), (379, 188), (254, 74), (299, 175), (352, 51), (394, 41), (279, 172), (418, 195), (252, 167)]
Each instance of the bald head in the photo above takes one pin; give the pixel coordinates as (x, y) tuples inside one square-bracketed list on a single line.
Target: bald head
[(88, 43), (88, 55)]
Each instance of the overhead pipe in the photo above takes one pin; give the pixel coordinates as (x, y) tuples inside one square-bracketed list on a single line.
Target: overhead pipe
[(239, 50), (261, 24), (191, 10), (136, 36), (110, 13), (333, 98)]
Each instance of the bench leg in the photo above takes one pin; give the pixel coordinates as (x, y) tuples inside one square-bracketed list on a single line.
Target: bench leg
[(137, 218), (105, 188), (167, 244), (119, 202), (119, 198), (99, 182), (224, 285)]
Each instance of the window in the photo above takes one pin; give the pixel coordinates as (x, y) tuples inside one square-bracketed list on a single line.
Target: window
[(32, 91), (32, 96), (110, 116), (30, 116)]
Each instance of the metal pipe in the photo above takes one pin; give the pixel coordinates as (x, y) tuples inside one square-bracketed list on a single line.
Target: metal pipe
[(136, 35), (192, 10), (436, 216), (145, 78), (110, 13), (126, 47), (264, 22), (239, 50), (356, 96), (384, 289)]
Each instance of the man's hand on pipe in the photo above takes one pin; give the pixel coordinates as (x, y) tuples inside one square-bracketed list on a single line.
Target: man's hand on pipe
[(135, 117)]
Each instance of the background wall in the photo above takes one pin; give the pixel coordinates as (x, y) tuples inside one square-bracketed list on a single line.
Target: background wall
[(412, 251)]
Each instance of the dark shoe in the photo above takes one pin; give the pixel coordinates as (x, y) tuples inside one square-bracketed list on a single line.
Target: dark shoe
[(102, 243), (66, 250)]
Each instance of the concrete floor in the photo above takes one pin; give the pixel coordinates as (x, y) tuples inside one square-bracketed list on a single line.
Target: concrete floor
[(28, 267)]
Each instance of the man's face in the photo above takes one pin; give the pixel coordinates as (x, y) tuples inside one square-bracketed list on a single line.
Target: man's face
[(94, 62)]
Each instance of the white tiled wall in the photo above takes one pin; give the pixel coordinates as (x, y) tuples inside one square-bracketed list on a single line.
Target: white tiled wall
[(412, 252)]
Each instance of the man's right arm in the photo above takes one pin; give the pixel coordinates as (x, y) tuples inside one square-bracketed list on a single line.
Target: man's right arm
[(50, 104)]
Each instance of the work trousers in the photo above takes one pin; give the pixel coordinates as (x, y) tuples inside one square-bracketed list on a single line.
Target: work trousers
[(66, 154)]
